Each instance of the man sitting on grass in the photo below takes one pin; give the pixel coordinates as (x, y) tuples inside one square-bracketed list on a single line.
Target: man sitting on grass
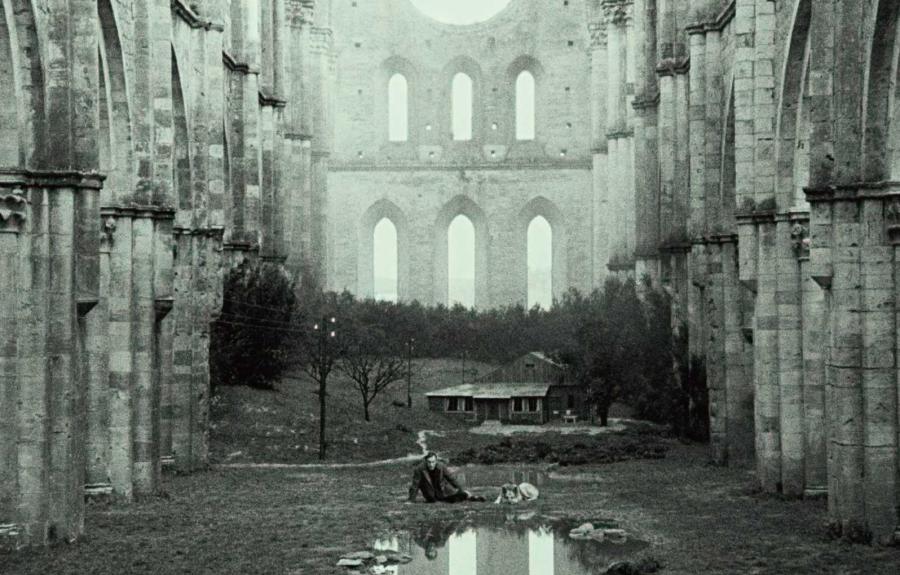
[(429, 477)]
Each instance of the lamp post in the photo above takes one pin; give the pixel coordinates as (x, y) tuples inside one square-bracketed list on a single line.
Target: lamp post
[(409, 346), (326, 331)]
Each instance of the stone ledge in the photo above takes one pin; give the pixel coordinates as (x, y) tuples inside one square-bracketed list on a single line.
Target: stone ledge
[(267, 100), (882, 189), (235, 65), (209, 232), (194, 20), (25, 178), (645, 102), (136, 211), (715, 25), (673, 67)]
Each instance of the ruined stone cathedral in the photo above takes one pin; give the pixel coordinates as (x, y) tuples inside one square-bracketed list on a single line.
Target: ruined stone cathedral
[(741, 153)]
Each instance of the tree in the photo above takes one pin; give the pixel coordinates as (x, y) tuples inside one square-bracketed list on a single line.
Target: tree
[(604, 352), (252, 335), (372, 362), (321, 348)]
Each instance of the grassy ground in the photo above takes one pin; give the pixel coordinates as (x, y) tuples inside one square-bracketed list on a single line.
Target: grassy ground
[(699, 519), (282, 425), (299, 521)]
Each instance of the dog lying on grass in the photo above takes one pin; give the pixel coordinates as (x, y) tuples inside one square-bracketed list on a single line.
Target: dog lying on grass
[(511, 493)]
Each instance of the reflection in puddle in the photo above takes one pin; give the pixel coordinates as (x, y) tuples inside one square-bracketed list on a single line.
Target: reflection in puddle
[(504, 546)]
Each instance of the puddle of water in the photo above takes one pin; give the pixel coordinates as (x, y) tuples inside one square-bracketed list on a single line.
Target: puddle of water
[(520, 544)]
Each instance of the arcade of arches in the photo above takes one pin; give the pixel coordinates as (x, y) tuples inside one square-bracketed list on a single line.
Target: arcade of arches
[(742, 153)]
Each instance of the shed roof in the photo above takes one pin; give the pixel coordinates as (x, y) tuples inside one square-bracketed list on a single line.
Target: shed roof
[(493, 390)]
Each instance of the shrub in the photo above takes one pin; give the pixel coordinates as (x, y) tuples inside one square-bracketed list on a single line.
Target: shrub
[(252, 337)]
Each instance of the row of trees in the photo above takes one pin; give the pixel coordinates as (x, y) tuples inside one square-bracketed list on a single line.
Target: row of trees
[(619, 342)]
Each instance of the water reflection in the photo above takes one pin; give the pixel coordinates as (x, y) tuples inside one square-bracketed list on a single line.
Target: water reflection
[(503, 544)]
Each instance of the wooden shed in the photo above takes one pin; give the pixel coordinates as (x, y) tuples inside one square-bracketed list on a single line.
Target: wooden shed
[(520, 402)]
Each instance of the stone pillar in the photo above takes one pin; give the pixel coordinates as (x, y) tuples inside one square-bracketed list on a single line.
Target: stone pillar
[(13, 216), (45, 219), (600, 150)]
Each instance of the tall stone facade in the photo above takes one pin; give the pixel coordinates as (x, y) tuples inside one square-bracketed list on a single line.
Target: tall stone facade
[(495, 178), (771, 216), (145, 147), (742, 153)]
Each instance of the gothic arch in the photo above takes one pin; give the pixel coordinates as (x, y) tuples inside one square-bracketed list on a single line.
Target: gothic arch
[(390, 67), (726, 201), (541, 206), (881, 144), (471, 68), (116, 125), (793, 111), (381, 209), (22, 123), (461, 205), (533, 66), (181, 130)]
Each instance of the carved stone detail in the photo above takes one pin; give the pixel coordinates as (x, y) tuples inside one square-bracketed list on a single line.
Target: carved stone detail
[(800, 240), (13, 212), (892, 220), (107, 233)]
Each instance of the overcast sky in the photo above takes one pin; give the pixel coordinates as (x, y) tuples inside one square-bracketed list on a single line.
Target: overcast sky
[(460, 11)]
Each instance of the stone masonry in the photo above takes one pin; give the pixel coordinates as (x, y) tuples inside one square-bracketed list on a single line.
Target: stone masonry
[(146, 147), (743, 154)]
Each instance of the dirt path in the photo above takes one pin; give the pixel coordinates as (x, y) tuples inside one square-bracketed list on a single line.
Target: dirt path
[(421, 441)]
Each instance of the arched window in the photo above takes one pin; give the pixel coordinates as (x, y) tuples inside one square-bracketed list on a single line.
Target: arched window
[(384, 260), (540, 263), (525, 106), (462, 107), (461, 261), (398, 108)]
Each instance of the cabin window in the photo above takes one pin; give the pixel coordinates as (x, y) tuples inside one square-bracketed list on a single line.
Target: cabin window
[(469, 404), (532, 404), (452, 404), (518, 404)]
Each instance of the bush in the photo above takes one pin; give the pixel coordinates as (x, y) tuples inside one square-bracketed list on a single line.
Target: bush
[(252, 337)]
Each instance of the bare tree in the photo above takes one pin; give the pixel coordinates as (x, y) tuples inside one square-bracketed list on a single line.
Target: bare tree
[(373, 363), (320, 351)]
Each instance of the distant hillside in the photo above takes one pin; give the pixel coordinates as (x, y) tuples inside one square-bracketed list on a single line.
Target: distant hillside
[(281, 426)]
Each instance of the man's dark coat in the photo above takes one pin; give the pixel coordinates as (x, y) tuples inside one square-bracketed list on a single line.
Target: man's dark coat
[(432, 491)]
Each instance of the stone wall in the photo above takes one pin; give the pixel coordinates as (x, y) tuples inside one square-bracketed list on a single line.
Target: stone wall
[(782, 265), (498, 181), (150, 147)]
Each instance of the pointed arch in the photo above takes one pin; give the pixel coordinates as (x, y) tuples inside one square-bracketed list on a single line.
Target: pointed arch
[(454, 73), (542, 207), (24, 121), (881, 144), (462, 106), (465, 206), (378, 211), (524, 75), (726, 202), (792, 141), (119, 169), (181, 148), (398, 108), (396, 113)]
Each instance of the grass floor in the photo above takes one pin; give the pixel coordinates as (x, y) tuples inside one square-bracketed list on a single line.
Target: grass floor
[(698, 518), (281, 426), (298, 521)]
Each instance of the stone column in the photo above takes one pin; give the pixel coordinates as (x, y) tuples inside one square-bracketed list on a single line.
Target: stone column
[(13, 216), (600, 151)]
